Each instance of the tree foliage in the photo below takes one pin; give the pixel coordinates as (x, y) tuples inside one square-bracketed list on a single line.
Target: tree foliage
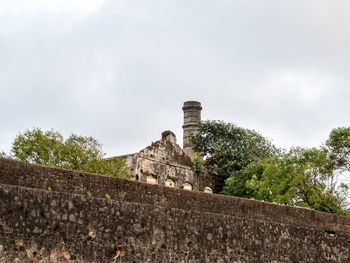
[(76, 152), (228, 148), (248, 165), (36, 146), (301, 177), (338, 144)]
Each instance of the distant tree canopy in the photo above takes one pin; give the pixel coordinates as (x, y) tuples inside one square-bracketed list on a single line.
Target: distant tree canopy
[(248, 165), (76, 152)]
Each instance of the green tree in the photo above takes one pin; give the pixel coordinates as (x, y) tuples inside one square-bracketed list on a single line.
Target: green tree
[(301, 177), (245, 182), (36, 146), (228, 148), (248, 165), (80, 152), (76, 152), (338, 144)]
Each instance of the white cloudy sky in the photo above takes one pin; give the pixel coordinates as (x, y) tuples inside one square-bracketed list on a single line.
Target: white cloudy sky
[(120, 70)]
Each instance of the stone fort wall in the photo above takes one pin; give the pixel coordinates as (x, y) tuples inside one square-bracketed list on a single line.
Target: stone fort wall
[(56, 215)]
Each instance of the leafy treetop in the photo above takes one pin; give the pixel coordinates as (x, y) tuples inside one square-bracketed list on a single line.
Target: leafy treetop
[(76, 152), (248, 165), (228, 148)]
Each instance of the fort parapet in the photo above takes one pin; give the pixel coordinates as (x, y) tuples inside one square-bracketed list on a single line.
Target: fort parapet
[(56, 215)]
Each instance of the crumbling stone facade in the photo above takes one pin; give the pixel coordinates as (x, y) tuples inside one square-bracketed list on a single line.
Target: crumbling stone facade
[(166, 163)]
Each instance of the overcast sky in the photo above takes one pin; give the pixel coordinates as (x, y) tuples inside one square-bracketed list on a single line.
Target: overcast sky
[(120, 70)]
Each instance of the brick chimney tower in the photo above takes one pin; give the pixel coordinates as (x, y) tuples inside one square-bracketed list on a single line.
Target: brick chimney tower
[(192, 115)]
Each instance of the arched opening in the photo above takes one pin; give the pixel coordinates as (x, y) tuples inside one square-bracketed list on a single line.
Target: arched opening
[(151, 179), (208, 190), (137, 177), (187, 186), (169, 183)]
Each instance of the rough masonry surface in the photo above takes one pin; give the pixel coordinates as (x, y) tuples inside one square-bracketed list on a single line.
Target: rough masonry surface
[(56, 215)]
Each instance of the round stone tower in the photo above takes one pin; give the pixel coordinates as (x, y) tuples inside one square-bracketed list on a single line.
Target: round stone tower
[(192, 115)]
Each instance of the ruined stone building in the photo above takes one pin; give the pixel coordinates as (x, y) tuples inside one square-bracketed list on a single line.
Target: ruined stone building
[(166, 163), (48, 214)]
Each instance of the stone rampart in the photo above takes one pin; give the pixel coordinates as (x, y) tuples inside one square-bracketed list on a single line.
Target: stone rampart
[(56, 215)]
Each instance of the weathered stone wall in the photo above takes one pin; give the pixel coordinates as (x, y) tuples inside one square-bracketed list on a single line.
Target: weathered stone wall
[(151, 223), (163, 170), (164, 160)]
